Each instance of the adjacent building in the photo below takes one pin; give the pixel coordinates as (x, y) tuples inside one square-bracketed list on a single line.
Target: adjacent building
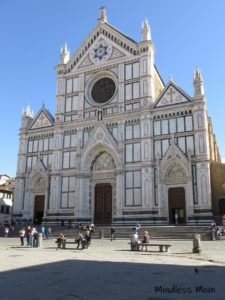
[(123, 146)]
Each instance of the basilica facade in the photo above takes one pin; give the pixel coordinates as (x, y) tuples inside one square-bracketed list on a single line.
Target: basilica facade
[(123, 146)]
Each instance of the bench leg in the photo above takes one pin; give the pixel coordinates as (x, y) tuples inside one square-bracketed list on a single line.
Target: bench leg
[(167, 248), (160, 248)]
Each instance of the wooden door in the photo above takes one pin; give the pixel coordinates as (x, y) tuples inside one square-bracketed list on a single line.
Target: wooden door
[(177, 213), (103, 203), (39, 206)]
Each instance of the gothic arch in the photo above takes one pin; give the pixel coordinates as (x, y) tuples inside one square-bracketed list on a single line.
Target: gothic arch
[(93, 153), (175, 172)]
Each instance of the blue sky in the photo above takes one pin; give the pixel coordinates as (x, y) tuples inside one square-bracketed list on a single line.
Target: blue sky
[(185, 34)]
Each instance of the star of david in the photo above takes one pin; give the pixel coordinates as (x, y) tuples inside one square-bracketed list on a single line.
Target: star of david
[(100, 52)]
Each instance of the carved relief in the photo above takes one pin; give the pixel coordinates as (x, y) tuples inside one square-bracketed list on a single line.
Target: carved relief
[(171, 96), (104, 162), (116, 53), (176, 171), (178, 98), (41, 121), (85, 62), (40, 183)]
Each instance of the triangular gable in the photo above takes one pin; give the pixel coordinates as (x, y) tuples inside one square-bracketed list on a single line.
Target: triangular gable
[(43, 119), (119, 45), (172, 95), (100, 135)]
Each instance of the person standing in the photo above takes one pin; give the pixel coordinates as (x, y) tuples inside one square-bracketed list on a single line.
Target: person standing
[(6, 231), (113, 232), (79, 239), (22, 235), (49, 233)]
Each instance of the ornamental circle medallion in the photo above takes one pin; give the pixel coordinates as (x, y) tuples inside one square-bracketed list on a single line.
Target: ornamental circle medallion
[(101, 52), (101, 88)]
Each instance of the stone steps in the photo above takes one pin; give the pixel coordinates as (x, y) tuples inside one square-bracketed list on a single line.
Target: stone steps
[(155, 232)]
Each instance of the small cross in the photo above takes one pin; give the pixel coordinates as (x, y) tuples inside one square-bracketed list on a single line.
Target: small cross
[(170, 93)]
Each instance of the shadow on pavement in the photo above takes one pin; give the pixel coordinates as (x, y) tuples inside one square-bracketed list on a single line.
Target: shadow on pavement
[(99, 280)]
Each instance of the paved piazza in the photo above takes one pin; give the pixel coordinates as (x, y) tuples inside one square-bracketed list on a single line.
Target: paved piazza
[(109, 270)]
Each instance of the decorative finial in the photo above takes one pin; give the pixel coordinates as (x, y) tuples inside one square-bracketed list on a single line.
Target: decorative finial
[(64, 54), (145, 31), (171, 78), (198, 83), (102, 15), (28, 112)]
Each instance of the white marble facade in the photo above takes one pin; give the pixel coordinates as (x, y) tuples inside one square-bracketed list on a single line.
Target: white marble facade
[(116, 124)]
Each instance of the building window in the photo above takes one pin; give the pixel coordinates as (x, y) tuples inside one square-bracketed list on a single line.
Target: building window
[(173, 125), (113, 129), (185, 143), (132, 91), (68, 192), (132, 71), (132, 106), (71, 103), (31, 161), (70, 140), (133, 188), (69, 160), (132, 152), (37, 145), (132, 131)]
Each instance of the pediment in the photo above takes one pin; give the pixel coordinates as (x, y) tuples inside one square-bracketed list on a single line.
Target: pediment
[(102, 51), (173, 153), (103, 44), (42, 119), (100, 135), (100, 141), (172, 95)]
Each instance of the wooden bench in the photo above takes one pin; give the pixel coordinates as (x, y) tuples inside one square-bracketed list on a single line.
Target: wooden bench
[(141, 246), (62, 244)]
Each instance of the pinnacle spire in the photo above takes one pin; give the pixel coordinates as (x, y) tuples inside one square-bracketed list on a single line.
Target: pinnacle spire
[(198, 83), (145, 30), (102, 15), (64, 54)]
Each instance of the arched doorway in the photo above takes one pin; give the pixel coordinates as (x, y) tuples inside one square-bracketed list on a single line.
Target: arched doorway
[(177, 212), (103, 167), (39, 206), (103, 204)]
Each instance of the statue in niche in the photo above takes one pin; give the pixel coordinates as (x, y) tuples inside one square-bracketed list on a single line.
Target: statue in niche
[(104, 162)]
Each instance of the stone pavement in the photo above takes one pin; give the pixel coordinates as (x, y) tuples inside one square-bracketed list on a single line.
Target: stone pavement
[(109, 270)]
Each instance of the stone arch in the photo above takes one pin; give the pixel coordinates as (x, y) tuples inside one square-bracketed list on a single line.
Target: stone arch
[(175, 172), (93, 153), (103, 161)]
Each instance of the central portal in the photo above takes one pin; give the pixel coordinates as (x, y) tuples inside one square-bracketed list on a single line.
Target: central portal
[(103, 203), (177, 213), (39, 206)]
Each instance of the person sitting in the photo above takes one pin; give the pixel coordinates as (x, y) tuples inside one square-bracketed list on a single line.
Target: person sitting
[(61, 241), (134, 241), (145, 239)]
